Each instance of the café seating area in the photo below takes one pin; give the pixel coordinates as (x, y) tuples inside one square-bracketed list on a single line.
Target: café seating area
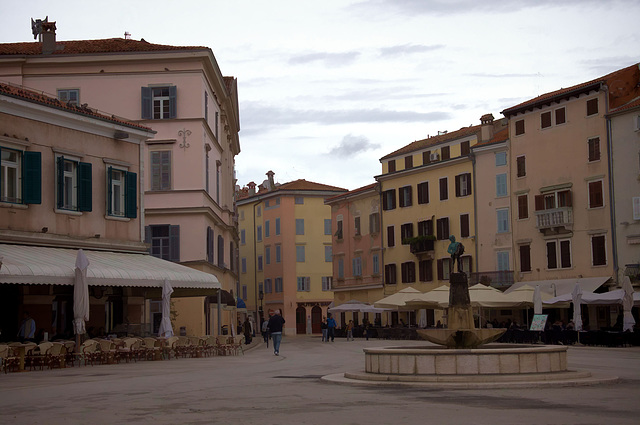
[(29, 356)]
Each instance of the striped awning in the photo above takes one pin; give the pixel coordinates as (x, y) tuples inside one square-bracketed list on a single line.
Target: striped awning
[(23, 264)]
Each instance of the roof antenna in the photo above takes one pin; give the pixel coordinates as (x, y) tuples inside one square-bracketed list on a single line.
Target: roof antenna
[(127, 35)]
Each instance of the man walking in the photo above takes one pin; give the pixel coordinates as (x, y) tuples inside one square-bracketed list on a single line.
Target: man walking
[(331, 328), (275, 329)]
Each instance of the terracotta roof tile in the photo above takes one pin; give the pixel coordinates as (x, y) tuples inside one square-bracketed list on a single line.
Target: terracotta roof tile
[(302, 184), (431, 141), (353, 192), (108, 45), (42, 99), (500, 136)]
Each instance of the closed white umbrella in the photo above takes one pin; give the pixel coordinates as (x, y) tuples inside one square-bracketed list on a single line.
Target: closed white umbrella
[(80, 296), (576, 298), (165, 325), (537, 301), (422, 320), (627, 304)]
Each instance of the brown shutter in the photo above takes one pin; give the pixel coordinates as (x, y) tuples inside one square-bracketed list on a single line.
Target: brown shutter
[(468, 183), (539, 201), (458, 186)]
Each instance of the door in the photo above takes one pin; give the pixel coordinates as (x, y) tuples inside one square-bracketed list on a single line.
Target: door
[(316, 319), (301, 321)]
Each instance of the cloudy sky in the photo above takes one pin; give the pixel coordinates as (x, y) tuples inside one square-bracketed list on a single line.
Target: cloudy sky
[(329, 87)]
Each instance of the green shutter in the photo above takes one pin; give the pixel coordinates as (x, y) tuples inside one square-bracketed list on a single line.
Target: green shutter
[(130, 195), (60, 181), (109, 191), (84, 186), (31, 178), (173, 101), (146, 103)]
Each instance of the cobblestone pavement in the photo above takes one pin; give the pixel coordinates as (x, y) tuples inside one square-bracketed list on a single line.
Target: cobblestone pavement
[(260, 388)]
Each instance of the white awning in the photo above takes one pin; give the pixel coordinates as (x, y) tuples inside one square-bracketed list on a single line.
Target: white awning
[(562, 286), (56, 266)]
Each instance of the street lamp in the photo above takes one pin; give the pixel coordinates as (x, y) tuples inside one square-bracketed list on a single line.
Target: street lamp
[(261, 297)]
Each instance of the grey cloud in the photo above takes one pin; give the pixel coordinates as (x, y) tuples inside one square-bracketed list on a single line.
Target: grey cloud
[(485, 75), (409, 49), (352, 145), (329, 59)]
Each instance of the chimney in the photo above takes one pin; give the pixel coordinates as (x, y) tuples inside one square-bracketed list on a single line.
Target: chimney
[(270, 175), (48, 38), (252, 188), (486, 132)]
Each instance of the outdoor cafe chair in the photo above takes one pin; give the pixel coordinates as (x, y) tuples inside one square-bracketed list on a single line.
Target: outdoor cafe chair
[(151, 348), (197, 346), (37, 357), (56, 355), (209, 346), (170, 347), (8, 360), (222, 346), (88, 352)]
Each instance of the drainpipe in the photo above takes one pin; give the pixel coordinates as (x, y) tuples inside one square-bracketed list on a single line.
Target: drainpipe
[(612, 206), (475, 208)]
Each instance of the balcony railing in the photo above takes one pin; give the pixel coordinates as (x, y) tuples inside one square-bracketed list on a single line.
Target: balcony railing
[(422, 246), (556, 217), (498, 279)]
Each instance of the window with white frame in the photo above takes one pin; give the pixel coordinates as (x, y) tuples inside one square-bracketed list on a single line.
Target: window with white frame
[(159, 103), (596, 198), (326, 283), (503, 220), (374, 223), (69, 96), (160, 170), (20, 176), (304, 284), (558, 254), (278, 282), (502, 260), (357, 267), (73, 184), (598, 250), (501, 159), (164, 240), (122, 193)]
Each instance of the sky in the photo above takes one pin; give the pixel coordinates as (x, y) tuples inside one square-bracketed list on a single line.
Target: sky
[(327, 88)]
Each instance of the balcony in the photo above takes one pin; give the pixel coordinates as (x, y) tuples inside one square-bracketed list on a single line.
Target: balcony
[(554, 218), (500, 279), (420, 244)]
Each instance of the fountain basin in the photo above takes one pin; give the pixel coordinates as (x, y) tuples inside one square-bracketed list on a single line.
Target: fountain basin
[(461, 338)]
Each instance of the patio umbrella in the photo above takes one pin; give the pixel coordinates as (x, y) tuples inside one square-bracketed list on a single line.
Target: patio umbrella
[(165, 325), (436, 298), (627, 304), (576, 299), (398, 299), (80, 296), (422, 321), (537, 301)]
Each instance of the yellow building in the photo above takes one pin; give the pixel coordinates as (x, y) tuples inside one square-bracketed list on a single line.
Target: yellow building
[(285, 251)]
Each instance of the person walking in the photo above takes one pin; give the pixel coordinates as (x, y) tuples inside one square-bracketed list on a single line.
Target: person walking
[(323, 327), (331, 328), (350, 330), (265, 331), (246, 328), (275, 329), (27, 329)]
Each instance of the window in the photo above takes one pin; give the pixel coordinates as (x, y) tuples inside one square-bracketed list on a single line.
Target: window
[(423, 193), (326, 283), (159, 103), (164, 240), (268, 287), (545, 119), (267, 229), (442, 228), (299, 200), (389, 199), (501, 185), (210, 241), (464, 225), (560, 116), (357, 267), (519, 127), (444, 266), (594, 149), (259, 263), (278, 282), (444, 189), (391, 165), (74, 185), (521, 166), (408, 162), (243, 237), (356, 226), (635, 206), (267, 255), (244, 292), (123, 193), (426, 157), (501, 159), (523, 207), (278, 226), (374, 223), (390, 274), (258, 211), (300, 253), (404, 193), (160, 170), (259, 233), (206, 106), (464, 148), (525, 258), (406, 232), (20, 177), (502, 260), (375, 259), (559, 257), (425, 271), (503, 220), (304, 284), (598, 251), (425, 228), (327, 226), (328, 254), (69, 96), (299, 226), (221, 251), (278, 253), (339, 226), (552, 200), (463, 184), (341, 268), (243, 265), (596, 198), (391, 238), (408, 271), (592, 107), (446, 152)]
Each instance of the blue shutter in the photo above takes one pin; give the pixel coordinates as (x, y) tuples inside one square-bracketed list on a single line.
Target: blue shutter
[(174, 243), (60, 182), (109, 191), (84, 186), (146, 103), (131, 195), (31, 178), (172, 101)]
